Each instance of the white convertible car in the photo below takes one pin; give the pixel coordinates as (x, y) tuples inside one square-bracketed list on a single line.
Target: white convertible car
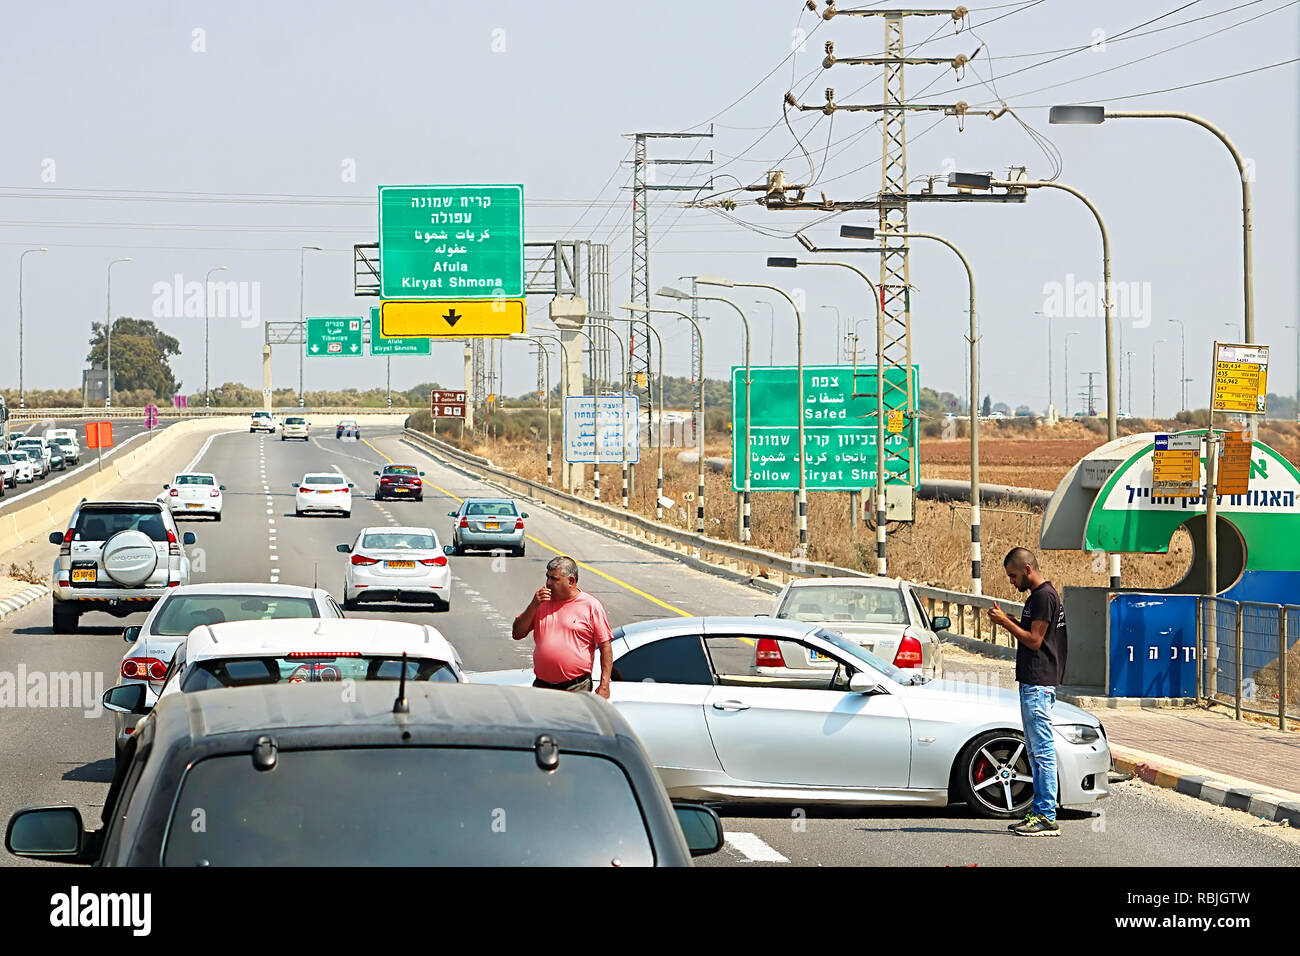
[(720, 727)]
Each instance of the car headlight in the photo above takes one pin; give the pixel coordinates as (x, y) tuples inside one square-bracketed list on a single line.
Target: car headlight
[(1078, 733)]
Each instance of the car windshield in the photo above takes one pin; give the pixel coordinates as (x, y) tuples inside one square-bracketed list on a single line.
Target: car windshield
[(182, 613), (490, 508), (100, 524), (290, 669), (400, 470), (403, 540), (294, 421), (64, 440), (371, 806), (323, 480), (194, 480), (860, 604), (856, 652)]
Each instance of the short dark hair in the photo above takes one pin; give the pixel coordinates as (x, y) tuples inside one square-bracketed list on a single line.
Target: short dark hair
[(1020, 558)]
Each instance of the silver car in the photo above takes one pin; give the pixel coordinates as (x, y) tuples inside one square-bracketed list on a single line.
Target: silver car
[(118, 557), (153, 643), (883, 615), (489, 523), (720, 729)]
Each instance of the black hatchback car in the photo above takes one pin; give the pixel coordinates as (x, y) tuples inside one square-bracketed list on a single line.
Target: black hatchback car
[(299, 775)]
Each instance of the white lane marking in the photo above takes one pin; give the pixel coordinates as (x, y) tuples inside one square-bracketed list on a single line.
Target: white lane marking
[(48, 482), (204, 450), (753, 849), (272, 546), (270, 521), (275, 557), (269, 511)]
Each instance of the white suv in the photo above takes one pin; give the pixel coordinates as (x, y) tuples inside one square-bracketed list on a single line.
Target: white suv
[(118, 557), (263, 422)]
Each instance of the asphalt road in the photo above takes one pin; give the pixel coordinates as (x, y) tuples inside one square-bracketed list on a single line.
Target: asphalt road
[(64, 754), (123, 430)]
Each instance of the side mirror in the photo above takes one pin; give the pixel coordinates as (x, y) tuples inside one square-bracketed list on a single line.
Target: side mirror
[(125, 699), (940, 624), (701, 827), (56, 537), (448, 550), (864, 683), (165, 487), (131, 634), (376, 473), (221, 487), (46, 833), (450, 514), (343, 548), (421, 474), (523, 514), (350, 485), (295, 484), (189, 537)]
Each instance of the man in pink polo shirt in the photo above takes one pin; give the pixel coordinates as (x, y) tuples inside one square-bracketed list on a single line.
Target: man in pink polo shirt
[(568, 625)]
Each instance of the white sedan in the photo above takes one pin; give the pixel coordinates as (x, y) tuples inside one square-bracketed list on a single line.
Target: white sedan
[(323, 492), (194, 493), (388, 564), (720, 729)]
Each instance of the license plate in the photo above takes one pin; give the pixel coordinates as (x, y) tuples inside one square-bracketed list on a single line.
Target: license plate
[(401, 491), (399, 564), (196, 505), (814, 656), (491, 525), (83, 576)]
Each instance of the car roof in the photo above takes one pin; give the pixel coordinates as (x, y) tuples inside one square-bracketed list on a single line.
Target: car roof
[(456, 711), (719, 625), (324, 474), (122, 503), (385, 528), (875, 581), (238, 638), (250, 589), (195, 474)]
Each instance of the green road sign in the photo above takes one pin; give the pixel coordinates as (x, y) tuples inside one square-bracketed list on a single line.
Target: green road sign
[(383, 346), (839, 427), (333, 337), (451, 242)]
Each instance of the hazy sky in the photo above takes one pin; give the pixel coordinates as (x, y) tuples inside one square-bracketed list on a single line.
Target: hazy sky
[(191, 135)]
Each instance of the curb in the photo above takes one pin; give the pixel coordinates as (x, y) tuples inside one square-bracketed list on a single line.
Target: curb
[(1277, 806), (22, 599)]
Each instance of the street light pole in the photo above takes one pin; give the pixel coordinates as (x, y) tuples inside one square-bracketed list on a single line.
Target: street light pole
[(743, 530), (207, 384), (1296, 329), (1068, 335), (108, 331), (622, 399), (302, 322), (1130, 381), (1182, 374), (1154, 373), (22, 402), (645, 320), (1095, 115)]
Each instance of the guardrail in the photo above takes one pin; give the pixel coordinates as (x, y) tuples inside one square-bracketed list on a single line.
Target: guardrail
[(40, 414), (758, 565)]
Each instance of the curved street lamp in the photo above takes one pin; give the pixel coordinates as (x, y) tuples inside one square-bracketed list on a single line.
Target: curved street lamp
[(108, 330), (22, 402)]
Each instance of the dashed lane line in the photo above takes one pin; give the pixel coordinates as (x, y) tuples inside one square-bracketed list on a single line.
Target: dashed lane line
[(753, 849)]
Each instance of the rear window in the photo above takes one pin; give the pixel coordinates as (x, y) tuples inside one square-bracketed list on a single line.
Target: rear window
[(854, 603), (401, 470), (283, 669), (294, 421), (404, 540), (371, 806), (323, 480), (182, 613), (100, 524), (490, 508), (194, 480)]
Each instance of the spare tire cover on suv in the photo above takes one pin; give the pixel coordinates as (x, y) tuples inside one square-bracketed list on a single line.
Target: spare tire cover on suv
[(130, 557)]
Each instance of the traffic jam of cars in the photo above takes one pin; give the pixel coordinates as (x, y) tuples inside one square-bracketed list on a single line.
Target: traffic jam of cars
[(836, 698)]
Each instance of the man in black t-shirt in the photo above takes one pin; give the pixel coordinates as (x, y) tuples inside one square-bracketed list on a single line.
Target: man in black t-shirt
[(1040, 668)]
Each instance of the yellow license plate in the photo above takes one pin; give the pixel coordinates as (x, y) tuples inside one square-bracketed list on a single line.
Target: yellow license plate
[(492, 525), (194, 506), (399, 564), (83, 574)]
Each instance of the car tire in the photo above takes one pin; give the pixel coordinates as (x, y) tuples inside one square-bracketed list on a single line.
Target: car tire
[(973, 766), (218, 516), (444, 605), (297, 512), (419, 497), (64, 619), (518, 552), (349, 604)]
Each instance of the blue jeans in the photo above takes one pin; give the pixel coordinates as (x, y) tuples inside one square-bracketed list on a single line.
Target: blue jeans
[(1036, 713)]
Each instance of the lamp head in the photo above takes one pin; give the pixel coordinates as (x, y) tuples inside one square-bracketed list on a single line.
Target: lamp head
[(857, 232), (668, 292), (634, 306), (715, 280), (1074, 115), (781, 262)]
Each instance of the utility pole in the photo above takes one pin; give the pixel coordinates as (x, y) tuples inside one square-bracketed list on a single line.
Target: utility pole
[(1155, 372), (697, 370), (1130, 381), (642, 184)]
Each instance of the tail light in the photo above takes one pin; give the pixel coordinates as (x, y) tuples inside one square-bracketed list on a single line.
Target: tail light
[(464, 522), (144, 668), (214, 493), (361, 559), (66, 547), (174, 493), (440, 561), (385, 480), (909, 652), (173, 546), (768, 653), (320, 655), (415, 481), (519, 524)]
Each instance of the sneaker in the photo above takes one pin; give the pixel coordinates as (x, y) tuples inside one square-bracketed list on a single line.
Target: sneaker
[(1020, 823), (1037, 827)]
